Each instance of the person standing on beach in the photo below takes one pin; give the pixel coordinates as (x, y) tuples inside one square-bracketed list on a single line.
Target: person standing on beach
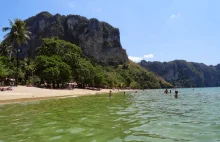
[(51, 85), (110, 94), (45, 84)]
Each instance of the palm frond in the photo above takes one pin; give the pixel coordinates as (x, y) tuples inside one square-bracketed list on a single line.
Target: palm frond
[(7, 35), (27, 37), (5, 29), (27, 32), (18, 32), (18, 41), (10, 22)]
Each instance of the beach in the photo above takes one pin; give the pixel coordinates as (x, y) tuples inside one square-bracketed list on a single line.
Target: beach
[(23, 93)]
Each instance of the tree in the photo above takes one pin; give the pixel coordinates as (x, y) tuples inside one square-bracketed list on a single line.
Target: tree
[(18, 34), (63, 60), (68, 52), (5, 49), (82, 69), (84, 72), (3, 70), (52, 69), (54, 46), (28, 67), (99, 78), (8, 65), (134, 85)]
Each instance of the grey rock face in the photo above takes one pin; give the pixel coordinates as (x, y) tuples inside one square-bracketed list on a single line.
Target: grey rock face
[(98, 40), (185, 74)]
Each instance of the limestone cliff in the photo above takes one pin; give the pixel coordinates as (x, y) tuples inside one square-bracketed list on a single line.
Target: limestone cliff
[(98, 40), (185, 74)]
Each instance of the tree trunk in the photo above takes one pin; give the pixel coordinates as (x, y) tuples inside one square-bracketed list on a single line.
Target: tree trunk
[(17, 69), (32, 74), (11, 50), (10, 53)]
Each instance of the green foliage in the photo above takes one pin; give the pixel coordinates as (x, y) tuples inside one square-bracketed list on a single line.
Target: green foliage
[(52, 69), (134, 85), (81, 69), (55, 52), (54, 46), (17, 35), (135, 77), (60, 61), (8, 66), (99, 80), (3, 70), (4, 49)]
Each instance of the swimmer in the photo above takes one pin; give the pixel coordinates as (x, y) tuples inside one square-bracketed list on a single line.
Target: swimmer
[(176, 94), (166, 91)]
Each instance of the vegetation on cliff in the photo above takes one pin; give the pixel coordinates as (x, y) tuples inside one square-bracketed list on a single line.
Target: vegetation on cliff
[(185, 74), (59, 61), (55, 55)]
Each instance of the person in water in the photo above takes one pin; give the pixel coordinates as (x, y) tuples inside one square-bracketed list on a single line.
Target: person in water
[(166, 91), (176, 94), (124, 93), (170, 91), (110, 94)]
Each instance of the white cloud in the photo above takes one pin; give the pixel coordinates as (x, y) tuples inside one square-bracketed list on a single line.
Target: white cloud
[(71, 5), (135, 59), (138, 59), (175, 16), (98, 10), (148, 56)]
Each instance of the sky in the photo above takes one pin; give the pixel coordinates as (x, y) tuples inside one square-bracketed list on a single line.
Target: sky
[(151, 30)]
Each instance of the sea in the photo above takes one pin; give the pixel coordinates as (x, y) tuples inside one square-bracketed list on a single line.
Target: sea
[(145, 116)]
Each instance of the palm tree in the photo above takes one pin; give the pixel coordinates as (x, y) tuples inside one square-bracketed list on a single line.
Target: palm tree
[(18, 34)]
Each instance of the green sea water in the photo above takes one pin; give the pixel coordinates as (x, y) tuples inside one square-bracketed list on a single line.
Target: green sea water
[(148, 116)]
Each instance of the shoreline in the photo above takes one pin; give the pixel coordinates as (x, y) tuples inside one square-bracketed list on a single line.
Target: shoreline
[(27, 94)]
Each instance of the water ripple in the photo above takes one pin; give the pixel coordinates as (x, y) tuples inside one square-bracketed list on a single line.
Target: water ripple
[(145, 116)]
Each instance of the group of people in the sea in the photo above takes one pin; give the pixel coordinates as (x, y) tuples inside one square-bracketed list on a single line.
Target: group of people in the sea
[(110, 93), (165, 92), (176, 93)]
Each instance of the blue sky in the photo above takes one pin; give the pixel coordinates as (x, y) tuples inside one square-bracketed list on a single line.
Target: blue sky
[(154, 30)]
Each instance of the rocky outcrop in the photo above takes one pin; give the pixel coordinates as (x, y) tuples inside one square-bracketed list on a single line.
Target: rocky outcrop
[(98, 40), (185, 74)]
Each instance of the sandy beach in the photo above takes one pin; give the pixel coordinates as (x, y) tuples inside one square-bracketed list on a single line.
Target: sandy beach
[(23, 93)]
